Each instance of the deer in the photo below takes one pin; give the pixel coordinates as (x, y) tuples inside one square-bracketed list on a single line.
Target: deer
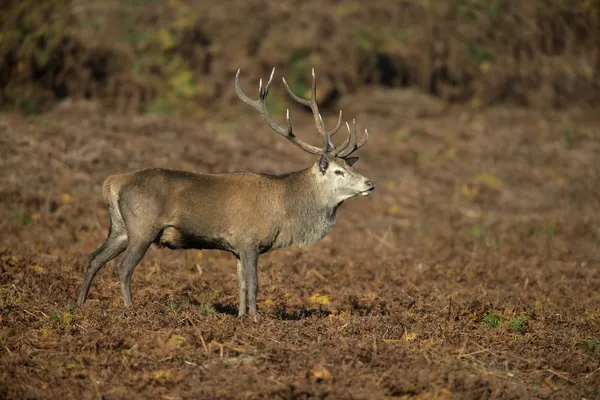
[(244, 213)]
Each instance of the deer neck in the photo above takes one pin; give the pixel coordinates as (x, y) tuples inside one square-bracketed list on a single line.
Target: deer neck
[(306, 215)]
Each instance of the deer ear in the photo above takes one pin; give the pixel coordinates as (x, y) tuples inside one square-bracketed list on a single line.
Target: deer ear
[(351, 160), (323, 164)]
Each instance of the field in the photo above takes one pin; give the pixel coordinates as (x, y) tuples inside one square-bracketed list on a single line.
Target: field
[(472, 271)]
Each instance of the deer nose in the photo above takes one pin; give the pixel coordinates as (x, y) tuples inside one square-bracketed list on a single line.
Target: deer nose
[(370, 184)]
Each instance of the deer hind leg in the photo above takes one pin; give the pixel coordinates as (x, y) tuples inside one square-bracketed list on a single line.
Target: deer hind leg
[(134, 254), (243, 288), (115, 244)]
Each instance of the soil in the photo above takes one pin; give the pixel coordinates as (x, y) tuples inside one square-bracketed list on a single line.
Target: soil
[(471, 272)]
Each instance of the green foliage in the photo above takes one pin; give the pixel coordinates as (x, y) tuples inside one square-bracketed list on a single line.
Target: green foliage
[(492, 10), (567, 134), (478, 231), (590, 346), (492, 319), (298, 65), (206, 309), (27, 106), (479, 53), (22, 218), (54, 316), (159, 106), (518, 324), (548, 230), (370, 38)]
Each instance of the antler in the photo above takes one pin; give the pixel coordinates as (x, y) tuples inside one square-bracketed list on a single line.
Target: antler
[(312, 103), (347, 148), (350, 145), (261, 106)]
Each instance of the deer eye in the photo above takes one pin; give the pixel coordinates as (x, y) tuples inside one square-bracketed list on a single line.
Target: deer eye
[(339, 172)]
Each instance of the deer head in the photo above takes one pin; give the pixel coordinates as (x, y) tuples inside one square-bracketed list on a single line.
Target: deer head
[(332, 172)]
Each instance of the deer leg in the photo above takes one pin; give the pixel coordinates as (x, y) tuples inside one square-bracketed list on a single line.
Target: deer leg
[(243, 287), (134, 254), (114, 245), (249, 260)]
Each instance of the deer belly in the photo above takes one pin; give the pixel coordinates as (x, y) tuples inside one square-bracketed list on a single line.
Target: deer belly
[(174, 238)]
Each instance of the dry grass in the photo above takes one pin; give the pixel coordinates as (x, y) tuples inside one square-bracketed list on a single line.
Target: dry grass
[(478, 221)]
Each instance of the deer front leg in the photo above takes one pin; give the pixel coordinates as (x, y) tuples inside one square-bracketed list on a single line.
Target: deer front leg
[(249, 259), (243, 288)]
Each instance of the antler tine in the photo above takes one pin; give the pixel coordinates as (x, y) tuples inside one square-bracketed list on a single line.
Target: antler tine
[(293, 95), (350, 141), (261, 107), (345, 144), (337, 126), (317, 114), (352, 146), (312, 103), (308, 103)]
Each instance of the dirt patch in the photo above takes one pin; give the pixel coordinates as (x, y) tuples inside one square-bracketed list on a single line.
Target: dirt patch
[(472, 272)]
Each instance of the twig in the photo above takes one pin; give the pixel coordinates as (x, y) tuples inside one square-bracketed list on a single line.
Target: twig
[(32, 314), (96, 388), (555, 373), (560, 375), (384, 237), (318, 275), (381, 240), (238, 349), (199, 334), (475, 352), (462, 349), (413, 285), (427, 358), (593, 372)]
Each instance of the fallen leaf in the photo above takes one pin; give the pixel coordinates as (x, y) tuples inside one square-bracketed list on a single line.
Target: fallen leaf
[(39, 269), (66, 197), (175, 341), (320, 374), (484, 67), (489, 179), (394, 209), (451, 153), (319, 299), (67, 318), (199, 257), (468, 191)]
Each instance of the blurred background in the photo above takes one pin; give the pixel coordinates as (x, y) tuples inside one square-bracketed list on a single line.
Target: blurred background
[(179, 56)]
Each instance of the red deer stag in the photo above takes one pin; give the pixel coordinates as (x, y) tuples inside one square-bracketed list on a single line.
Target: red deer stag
[(245, 213)]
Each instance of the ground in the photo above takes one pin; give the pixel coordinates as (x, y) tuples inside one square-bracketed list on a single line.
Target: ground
[(471, 272)]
